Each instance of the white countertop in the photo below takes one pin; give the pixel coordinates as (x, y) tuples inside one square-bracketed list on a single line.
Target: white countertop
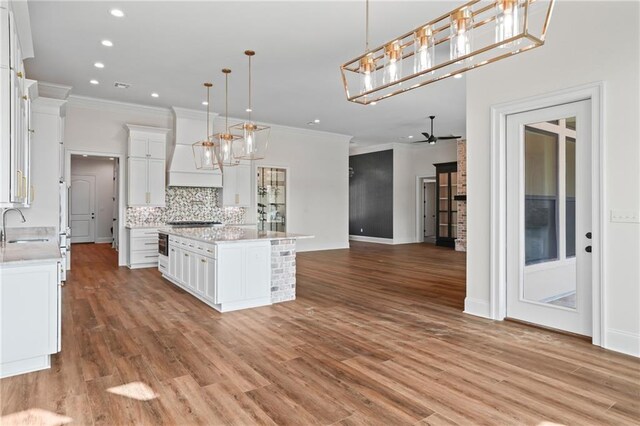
[(231, 234), (12, 254), (146, 226)]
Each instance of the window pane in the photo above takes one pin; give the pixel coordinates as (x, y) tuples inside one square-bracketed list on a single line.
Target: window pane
[(541, 196), (571, 123), (571, 195)]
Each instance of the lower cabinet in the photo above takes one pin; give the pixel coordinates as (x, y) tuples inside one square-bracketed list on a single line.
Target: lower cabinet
[(143, 248), (30, 317), (226, 276)]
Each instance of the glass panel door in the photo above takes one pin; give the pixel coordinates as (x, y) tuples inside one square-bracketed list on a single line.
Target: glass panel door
[(272, 199)]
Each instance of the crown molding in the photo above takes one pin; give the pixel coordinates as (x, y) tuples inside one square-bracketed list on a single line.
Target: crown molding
[(147, 129), (47, 105), (53, 91), (23, 25), (116, 106)]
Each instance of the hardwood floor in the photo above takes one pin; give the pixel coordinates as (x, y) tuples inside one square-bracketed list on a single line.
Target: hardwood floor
[(376, 336)]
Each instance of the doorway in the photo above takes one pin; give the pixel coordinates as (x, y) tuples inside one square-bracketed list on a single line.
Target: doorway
[(549, 217), (93, 199), (429, 210)]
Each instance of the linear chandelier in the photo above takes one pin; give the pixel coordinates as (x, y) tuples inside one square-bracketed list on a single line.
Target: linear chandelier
[(470, 36)]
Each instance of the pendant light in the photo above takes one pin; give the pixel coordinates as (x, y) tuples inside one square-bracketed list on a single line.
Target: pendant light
[(507, 21), (368, 62), (255, 137), (424, 49), (206, 152), (226, 140), (461, 24)]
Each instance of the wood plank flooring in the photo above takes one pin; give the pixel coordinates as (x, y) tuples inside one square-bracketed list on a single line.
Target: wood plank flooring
[(375, 337)]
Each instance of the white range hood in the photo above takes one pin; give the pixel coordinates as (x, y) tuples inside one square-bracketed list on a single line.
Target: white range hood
[(190, 127)]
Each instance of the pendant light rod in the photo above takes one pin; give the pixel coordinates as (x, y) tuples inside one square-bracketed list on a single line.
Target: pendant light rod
[(208, 86), (226, 72), (250, 53), (366, 27)]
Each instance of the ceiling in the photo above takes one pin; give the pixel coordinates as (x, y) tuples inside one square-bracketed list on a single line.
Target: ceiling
[(172, 47)]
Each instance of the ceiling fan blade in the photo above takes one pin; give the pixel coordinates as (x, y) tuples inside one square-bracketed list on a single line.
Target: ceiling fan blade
[(426, 135), (449, 137), (420, 141)]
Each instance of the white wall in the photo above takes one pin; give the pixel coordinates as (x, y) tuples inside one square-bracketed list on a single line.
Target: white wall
[(409, 162), (318, 163), (45, 174), (574, 54), (102, 169)]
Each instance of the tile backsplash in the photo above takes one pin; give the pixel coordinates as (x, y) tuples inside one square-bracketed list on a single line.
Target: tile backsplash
[(186, 203)]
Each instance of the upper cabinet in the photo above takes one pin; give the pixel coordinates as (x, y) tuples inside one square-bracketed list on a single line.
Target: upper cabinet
[(146, 166), (236, 186), (15, 114)]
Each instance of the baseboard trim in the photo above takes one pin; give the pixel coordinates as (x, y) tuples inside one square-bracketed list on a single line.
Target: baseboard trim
[(376, 240), (477, 307), (623, 341)]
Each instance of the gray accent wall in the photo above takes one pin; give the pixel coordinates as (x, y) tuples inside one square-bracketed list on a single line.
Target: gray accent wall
[(371, 194)]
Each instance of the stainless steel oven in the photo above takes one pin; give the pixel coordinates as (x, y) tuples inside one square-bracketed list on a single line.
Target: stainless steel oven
[(163, 244)]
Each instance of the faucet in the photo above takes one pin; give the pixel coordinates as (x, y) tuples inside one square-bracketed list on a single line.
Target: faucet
[(3, 231)]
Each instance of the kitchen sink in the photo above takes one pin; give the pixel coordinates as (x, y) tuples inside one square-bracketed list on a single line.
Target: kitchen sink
[(28, 240)]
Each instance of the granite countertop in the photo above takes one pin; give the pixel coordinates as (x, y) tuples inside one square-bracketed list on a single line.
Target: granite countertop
[(145, 226), (231, 234), (29, 253), (13, 254)]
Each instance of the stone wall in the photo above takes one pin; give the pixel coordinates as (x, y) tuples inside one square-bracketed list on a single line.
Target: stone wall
[(461, 241), (283, 270)]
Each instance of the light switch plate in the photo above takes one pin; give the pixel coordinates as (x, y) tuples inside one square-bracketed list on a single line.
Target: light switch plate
[(626, 216)]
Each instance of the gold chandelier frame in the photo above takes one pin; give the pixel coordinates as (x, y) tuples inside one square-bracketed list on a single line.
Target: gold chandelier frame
[(532, 35)]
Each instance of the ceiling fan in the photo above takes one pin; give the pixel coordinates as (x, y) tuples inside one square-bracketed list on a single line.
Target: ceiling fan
[(431, 139)]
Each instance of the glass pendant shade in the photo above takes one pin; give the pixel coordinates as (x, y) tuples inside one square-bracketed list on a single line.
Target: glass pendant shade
[(461, 23), (229, 146), (255, 140), (393, 64), (507, 21), (206, 153), (368, 71), (424, 53)]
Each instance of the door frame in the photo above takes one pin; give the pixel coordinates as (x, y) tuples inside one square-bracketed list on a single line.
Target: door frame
[(95, 202), (420, 179), (498, 263), (122, 240)]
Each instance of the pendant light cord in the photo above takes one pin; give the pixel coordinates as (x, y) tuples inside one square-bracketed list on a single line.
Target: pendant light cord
[(226, 102), (208, 134), (250, 103)]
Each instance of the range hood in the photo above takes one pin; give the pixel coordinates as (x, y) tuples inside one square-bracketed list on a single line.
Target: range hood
[(190, 126)]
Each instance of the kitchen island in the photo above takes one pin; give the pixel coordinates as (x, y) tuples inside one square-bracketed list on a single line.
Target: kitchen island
[(231, 267)]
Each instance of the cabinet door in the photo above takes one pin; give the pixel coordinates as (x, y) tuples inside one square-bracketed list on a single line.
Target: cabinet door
[(258, 271), (156, 180), (156, 148), (210, 279), (229, 183), (186, 269), (172, 262), (179, 276), (137, 182), (243, 186), (138, 147), (200, 266), (230, 273)]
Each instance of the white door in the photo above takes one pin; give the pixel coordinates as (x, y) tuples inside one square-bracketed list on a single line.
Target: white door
[(549, 217), (82, 216)]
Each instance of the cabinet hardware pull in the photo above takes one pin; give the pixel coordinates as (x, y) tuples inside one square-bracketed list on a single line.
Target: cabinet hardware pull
[(203, 260), (173, 250), (19, 184), (25, 97), (150, 244), (19, 74), (33, 193), (25, 187), (152, 255)]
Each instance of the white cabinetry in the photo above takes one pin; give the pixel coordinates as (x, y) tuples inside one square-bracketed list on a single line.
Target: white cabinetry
[(143, 248), (146, 166), (226, 276), (236, 186), (30, 317), (15, 116)]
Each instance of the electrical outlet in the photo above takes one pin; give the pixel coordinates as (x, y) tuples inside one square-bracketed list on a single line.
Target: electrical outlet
[(361, 230), (626, 216)]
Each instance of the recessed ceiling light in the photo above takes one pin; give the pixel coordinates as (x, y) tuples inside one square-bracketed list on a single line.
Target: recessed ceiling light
[(111, 158), (117, 13), (373, 103), (98, 65), (205, 103), (84, 155), (107, 43), (248, 110), (94, 81), (410, 136), (316, 121), (457, 76), (154, 95)]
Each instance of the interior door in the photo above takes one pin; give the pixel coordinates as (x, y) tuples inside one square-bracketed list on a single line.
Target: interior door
[(82, 215), (549, 217)]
